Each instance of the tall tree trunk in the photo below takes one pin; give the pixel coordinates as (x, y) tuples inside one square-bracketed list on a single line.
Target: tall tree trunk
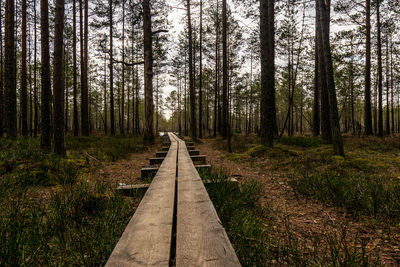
[(1, 74), (58, 79), (267, 39), (316, 106), (112, 111), (105, 96), (333, 110), (380, 70), (35, 93), (137, 118), (45, 76), (201, 73), (84, 72), (192, 92), (24, 83), (325, 118), (10, 72), (224, 72), (392, 84), (148, 72), (75, 80), (216, 88), (123, 70), (387, 86), (65, 71), (367, 93)]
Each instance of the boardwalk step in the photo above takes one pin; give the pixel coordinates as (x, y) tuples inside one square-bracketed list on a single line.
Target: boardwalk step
[(145, 186), (194, 152), (164, 148), (161, 154), (199, 158), (149, 172), (155, 161), (189, 144), (190, 148)]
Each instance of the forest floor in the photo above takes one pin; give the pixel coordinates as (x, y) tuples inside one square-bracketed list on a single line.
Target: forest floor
[(339, 210), (66, 211)]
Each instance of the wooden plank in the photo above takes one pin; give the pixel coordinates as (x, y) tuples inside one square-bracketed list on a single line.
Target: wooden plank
[(161, 154), (201, 239), (147, 239), (199, 158), (194, 152), (155, 161)]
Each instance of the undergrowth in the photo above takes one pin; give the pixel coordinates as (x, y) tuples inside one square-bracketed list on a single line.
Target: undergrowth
[(262, 236), (49, 214)]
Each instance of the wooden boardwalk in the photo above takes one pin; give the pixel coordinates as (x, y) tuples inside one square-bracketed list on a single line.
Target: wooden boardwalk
[(176, 223)]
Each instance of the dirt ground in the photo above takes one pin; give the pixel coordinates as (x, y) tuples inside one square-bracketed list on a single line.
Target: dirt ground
[(124, 171), (307, 217)]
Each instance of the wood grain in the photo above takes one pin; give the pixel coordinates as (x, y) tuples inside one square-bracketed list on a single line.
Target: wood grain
[(201, 238), (147, 239)]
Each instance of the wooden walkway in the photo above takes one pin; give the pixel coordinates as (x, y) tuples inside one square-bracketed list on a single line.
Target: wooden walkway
[(176, 223)]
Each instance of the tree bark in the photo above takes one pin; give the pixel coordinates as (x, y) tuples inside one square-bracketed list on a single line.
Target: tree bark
[(10, 72), (316, 106), (201, 73), (58, 79), (192, 92), (35, 93), (267, 39), (75, 80), (24, 84), (325, 118), (380, 70), (84, 72), (123, 70), (148, 72), (333, 110), (224, 72), (45, 76), (112, 112), (367, 93)]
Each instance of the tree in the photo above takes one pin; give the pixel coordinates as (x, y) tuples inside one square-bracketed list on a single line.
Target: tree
[(380, 70), (201, 73), (10, 72), (192, 92), (45, 141), (224, 72), (112, 112), (58, 78), (324, 21), (1, 75), (24, 83), (148, 72), (84, 70), (267, 46), (75, 72), (367, 93)]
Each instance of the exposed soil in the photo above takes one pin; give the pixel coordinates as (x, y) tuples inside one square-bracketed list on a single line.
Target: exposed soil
[(307, 217), (125, 171)]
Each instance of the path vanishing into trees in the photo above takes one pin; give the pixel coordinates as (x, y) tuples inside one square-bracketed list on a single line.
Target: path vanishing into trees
[(176, 222)]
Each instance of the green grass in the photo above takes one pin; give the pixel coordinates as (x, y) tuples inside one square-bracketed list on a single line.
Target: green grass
[(259, 237), (49, 214), (361, 195), (74, 225)]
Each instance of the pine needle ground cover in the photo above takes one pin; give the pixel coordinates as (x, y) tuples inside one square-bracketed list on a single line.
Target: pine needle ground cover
[(343, 210)]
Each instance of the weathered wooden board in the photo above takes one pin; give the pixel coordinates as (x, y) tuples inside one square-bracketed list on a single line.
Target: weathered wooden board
[(147, 239), (194, 152), (201, 239)]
